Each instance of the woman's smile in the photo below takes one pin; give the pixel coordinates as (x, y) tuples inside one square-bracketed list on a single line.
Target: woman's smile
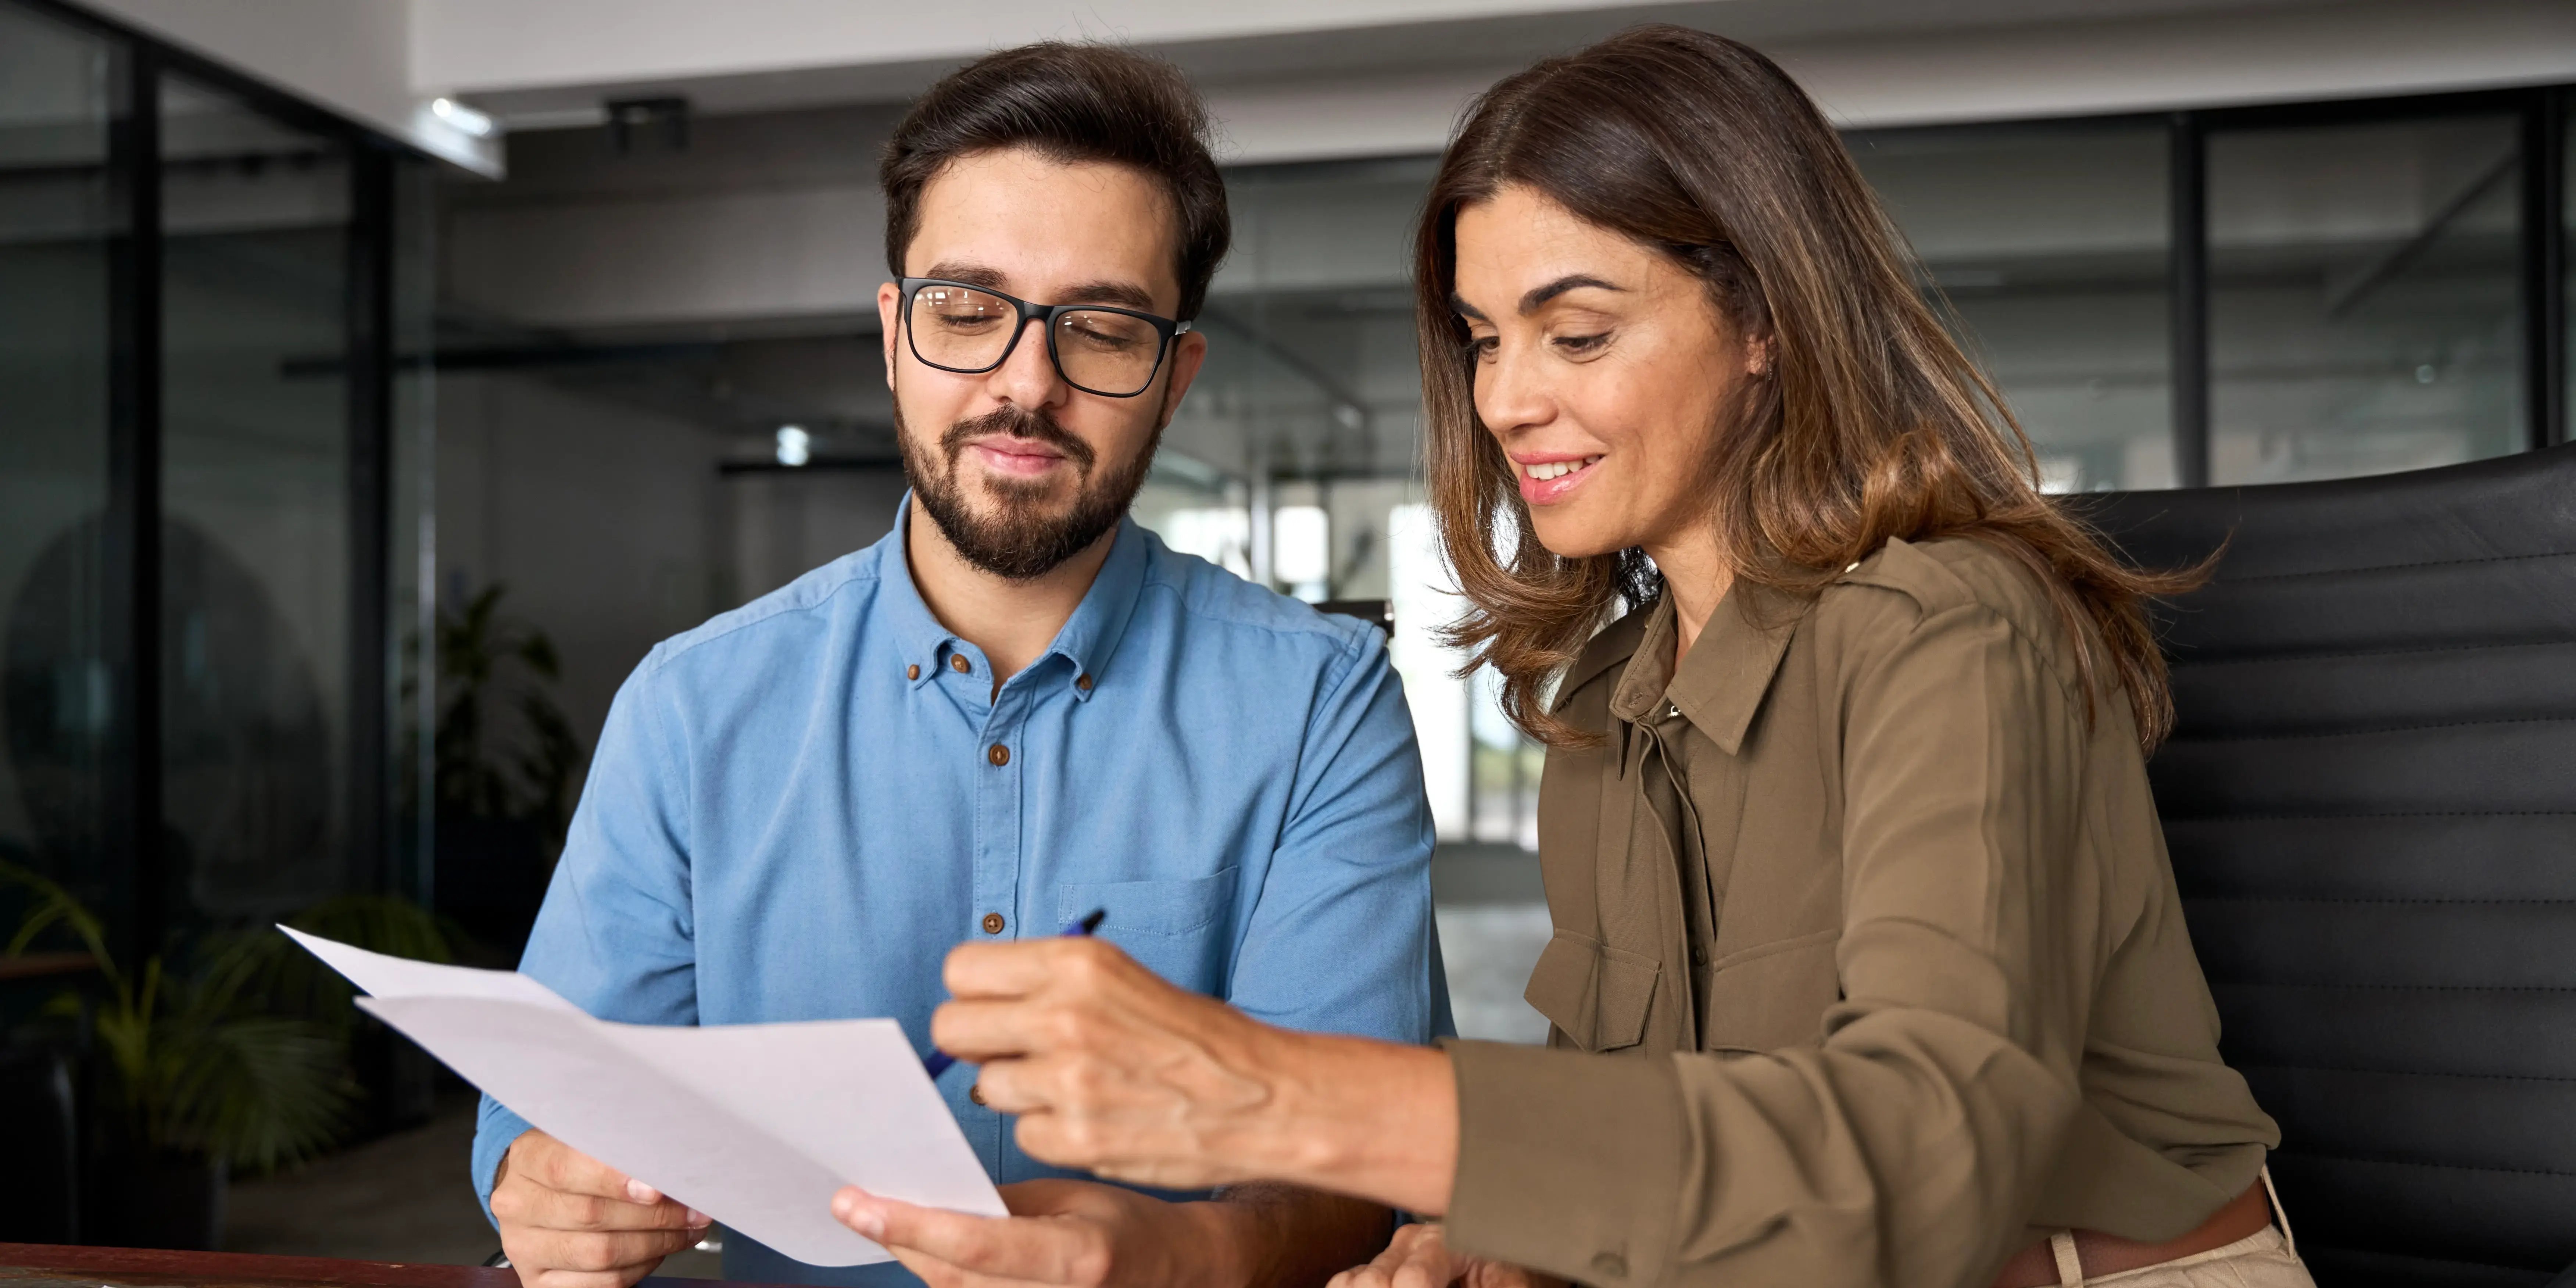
[(1547, 478)]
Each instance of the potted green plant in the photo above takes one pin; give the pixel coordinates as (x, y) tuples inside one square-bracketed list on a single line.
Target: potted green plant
[(240, 1063), (505, 760)]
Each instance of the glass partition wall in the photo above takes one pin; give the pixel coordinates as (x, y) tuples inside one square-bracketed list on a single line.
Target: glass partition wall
[(2237, 296), (60, 600), (2049, 244), (211, 473), (2364, 296)]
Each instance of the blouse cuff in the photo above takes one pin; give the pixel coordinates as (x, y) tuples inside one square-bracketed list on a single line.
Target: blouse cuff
[(1567, 1162)]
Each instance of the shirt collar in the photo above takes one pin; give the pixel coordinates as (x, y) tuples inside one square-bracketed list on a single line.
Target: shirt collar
[(1091, 635), (1087, 640), (1720, 684), (919, 635)]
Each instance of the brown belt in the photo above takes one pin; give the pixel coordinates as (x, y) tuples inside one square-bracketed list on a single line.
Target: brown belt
[(2108, 1254)]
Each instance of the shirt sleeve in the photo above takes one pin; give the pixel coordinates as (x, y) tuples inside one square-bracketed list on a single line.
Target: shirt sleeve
[(615, 935), (1340, 939), (1909, 1146)]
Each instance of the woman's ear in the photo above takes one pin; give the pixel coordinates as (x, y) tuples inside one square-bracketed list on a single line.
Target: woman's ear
[(1757, 357)]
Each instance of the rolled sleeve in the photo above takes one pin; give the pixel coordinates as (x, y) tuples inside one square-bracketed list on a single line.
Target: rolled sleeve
[(495, 1130), (1908, 1146), (1340, 939)]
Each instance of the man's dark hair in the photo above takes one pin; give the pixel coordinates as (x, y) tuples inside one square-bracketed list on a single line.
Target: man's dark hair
[(1070, 103)]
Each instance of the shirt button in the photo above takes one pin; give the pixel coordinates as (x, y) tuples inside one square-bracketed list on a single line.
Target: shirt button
[(999, 755), (976, 1093), (957, 662), (912, 672), (993, 923), (1082, 682)]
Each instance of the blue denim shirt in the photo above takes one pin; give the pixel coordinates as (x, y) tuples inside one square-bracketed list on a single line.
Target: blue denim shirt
[(796, 809)]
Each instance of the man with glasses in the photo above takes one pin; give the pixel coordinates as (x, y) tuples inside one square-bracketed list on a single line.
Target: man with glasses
[(1016, 709)]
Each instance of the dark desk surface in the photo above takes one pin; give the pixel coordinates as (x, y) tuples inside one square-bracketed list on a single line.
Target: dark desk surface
[(36, 1265)]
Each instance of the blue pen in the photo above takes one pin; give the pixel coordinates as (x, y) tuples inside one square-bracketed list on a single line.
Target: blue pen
[(938, 1061)]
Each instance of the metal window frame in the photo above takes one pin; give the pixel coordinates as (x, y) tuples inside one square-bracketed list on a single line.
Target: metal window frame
[(2545, 285), (131, 532)]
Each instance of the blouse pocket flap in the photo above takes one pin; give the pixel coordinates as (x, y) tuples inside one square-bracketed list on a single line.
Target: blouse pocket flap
[(1596, 994)]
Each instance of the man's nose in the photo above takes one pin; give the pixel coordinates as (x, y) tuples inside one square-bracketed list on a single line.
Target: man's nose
[(1028, 377)]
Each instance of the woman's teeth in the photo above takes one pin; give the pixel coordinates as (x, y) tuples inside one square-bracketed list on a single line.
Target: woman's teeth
[(1559, 469)]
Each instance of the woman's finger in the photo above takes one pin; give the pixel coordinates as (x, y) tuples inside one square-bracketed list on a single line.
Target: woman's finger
[(1417, 1257), (982, 1030), (1027, 966)]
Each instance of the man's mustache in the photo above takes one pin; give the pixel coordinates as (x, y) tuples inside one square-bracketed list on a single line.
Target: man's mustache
[(1016, 422)]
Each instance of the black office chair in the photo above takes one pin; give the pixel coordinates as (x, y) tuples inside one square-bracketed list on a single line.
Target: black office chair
[(2371, 802)]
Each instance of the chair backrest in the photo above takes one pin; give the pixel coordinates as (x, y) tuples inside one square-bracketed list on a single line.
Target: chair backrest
[(2370, 798)]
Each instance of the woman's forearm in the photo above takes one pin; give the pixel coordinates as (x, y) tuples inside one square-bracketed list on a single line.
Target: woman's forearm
[(1371, 1119), (1112, 1069)]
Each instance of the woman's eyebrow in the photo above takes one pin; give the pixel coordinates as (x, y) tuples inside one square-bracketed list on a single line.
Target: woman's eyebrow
[(1538, 295), (1463, 308)]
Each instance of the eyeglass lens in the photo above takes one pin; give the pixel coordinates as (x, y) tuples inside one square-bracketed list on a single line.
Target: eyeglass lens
[(969, 330)]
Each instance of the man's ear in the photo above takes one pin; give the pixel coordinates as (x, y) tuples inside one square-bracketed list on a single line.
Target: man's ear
[(889, 300), (1189, 353)]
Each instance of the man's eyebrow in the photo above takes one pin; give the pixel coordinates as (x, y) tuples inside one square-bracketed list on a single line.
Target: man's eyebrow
[(1538, 295), (1126, 295), (950, 270)]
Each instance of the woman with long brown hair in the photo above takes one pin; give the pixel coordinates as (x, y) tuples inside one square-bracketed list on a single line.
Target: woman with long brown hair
[(1868, 965)]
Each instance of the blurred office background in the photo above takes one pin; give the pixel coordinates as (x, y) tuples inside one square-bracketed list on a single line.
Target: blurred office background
[(378, 382)]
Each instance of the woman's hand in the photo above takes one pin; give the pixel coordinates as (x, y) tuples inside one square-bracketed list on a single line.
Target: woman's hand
[(1115, 1071), (1420, 1258)]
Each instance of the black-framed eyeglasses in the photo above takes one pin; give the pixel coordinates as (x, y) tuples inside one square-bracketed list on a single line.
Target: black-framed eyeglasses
[(1097, 348)]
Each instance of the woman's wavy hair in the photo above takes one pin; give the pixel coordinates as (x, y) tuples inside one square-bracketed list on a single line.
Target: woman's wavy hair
[(1871, 424)]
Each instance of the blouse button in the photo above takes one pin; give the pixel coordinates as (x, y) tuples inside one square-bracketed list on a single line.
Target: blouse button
[(912, 672), (999, 755), (976, 1093), (993, 923), (957, 662), (1082, 682)]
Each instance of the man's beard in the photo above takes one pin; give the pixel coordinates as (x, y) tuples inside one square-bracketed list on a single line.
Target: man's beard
[(1024, 537)]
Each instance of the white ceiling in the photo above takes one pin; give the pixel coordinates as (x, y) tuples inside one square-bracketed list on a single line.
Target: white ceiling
[(1342, 78)]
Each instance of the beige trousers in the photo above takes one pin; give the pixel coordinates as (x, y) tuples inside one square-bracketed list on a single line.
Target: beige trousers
[(2268, 1258)]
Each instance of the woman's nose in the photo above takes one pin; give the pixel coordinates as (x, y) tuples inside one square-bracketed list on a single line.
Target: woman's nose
[(1510, 395)]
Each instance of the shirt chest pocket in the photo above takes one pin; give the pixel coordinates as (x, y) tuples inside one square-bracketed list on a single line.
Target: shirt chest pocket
[(1180, 929), (1596, 995)]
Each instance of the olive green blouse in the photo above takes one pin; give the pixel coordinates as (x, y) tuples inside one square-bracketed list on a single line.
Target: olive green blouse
[(1876, 922)]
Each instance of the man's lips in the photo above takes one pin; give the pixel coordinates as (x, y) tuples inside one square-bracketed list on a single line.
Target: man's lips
[(1015, 456)]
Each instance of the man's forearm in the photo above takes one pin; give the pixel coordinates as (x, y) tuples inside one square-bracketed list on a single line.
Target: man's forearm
[(1287, 1236)]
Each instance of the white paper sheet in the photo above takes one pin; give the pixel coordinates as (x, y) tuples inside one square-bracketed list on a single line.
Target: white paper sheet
[(755, 1124)]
